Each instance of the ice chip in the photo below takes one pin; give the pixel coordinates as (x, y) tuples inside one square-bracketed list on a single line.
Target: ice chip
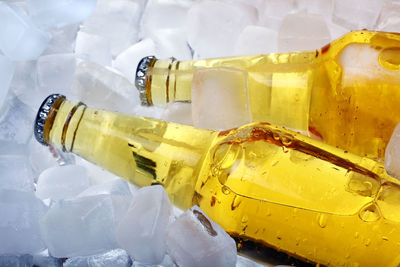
[(62, 182), (20, 39), (19, 222), (212, 246), (256, 40), (178, 112), (303, 31), (7, 68), (142, 230), (356, 15), (115, 258), (220, 98), (103, 88), (79, 227), (94, 48), (56, 14), (392, 154), (212, 31)]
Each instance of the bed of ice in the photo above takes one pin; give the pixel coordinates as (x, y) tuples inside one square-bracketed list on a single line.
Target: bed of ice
[(57, 209)]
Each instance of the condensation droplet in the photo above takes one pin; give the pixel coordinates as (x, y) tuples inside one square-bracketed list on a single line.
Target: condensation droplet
[(285, 149), (268, 212), (367, 242), (225, 190), (245, 219), (322, 220), (286, 141), (356, 235), (369, 213), (385, 238), (276, 136)]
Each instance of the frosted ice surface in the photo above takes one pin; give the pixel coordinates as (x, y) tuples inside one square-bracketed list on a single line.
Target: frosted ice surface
[(116, 20), (178, 112), (79, 227), (212, 246), (43, 259), (256, 40), (172, 43), (153, 111), (9, 260), (127, 61), (62, 182), (94, 48), (167, 262), (273, 12), (103, 88), (220, 98), (392, 154), (56, 14), (24, 83), (15, 170), (115, 258), (142, 230), (211, 30), (7, 68), (355, 14), (96, 174), (114, 187), (388, 19), (20, 39), (322, 7), (303, 31), (63, 40), (55, 74), (19, 222)]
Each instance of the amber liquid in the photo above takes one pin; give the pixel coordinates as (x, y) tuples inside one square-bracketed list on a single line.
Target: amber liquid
[(346, 93), (261, 183)]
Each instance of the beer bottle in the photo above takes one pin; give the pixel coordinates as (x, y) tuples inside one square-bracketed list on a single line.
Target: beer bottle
[(262, 183), (347, 93)]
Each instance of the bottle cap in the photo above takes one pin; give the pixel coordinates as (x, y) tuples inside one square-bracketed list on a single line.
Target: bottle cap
[(140, 78), (42, 115)]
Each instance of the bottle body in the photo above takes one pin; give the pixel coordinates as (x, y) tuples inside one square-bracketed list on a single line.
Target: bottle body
[(260, 182), (335, 93)]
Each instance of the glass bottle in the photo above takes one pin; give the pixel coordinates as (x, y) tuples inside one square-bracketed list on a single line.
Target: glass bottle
[(262, 183), (347, 93)]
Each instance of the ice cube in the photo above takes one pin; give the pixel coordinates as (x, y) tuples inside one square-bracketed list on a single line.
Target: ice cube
[(20, 39), (321, 7), (10, 260), (79, 227), (56, 14), (45, 260), (127, 61), (113, 187), (103, 88), (256, 40), (63, 40), (115, 258), (55, 74), (388, 19), (212, 246), (212, 31), (392, 154), (16, 173), (220, 98), (245, 262), (96, 174), (62, 182), (116, 20), (178, 112), (24, 83), (142, 230), (93, 48), (7, 68), (356, 15), (172, 43), (303, 31), (19, 222), (273, 12)]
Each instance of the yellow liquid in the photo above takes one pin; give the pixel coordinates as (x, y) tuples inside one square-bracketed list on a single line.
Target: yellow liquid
[(346, 93), (260, 182)]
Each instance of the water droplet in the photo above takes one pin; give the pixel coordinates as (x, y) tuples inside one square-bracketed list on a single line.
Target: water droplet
[(276, 136), (322, 220), (225, 190), (369, 213), (347, 256), (268, 212), (385, 238), (226, 154), (356, 235), (285, 149), (367, 242), (286, 141), (245, 219)]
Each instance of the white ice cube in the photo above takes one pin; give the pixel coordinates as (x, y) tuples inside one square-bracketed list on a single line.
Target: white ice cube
[(116, 20), (115, 258), (127, 61), (94, 48), (63, 40), (256, 40), (220, 98), (7, 68), (355, 14), (273, 12), (171, 43), (24, 83), (212, 246), (20, 39), (213, 27), (79, 227), (178, 112), (19, 222), (142, 231), (40, 157), (62, 182), (56, 14), (321, 7), (303, 31), (103, 88), (392, 154), (96, 174), (388, 19)]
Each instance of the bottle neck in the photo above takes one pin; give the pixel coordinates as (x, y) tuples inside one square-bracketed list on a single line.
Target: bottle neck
[(143, 151)]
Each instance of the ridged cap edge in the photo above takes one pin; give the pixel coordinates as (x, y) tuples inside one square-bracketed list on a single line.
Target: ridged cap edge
[(140, 78)]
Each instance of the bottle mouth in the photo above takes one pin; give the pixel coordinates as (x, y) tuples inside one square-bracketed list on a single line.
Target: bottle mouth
[(40, 126), (140, 78)]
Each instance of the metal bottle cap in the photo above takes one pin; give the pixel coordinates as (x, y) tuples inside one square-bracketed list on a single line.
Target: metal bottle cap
[(140, 78), (42, 115)]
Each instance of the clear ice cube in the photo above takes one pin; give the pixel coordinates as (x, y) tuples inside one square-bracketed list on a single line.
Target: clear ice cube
[(220, 98), (142, 230), (255, 40), (94, 48), (195, 240), (20, 39)]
